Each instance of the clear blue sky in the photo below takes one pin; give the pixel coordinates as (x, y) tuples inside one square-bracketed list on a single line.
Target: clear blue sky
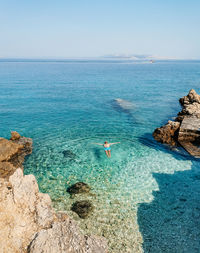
[(81, 28)]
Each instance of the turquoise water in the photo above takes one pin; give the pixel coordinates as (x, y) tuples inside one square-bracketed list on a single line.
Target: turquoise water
[(68, 105)]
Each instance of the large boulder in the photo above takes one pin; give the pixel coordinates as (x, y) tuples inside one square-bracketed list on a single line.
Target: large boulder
[(185, 128), (168, 133), (191, 98), (190, 105), (13, 152)]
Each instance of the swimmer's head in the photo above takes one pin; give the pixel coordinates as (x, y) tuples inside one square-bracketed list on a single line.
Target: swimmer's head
[(105, 142)]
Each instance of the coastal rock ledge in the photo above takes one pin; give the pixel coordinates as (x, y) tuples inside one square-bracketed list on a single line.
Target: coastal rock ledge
[(185, 130), (28, 223)]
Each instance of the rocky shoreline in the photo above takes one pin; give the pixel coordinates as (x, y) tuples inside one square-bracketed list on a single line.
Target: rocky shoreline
[(28, 223), (185, 129)]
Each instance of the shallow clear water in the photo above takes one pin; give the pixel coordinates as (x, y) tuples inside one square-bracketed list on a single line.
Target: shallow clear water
[(68, 105)]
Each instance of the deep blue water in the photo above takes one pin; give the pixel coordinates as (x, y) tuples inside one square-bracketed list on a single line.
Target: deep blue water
[(68, 105)]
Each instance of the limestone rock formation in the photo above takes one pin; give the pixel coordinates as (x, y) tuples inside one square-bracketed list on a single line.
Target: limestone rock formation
[(190, 129), (12, 153), (185, 130), (65, 237), (28, 222), (190, 105), (168, 133), (20, 216)]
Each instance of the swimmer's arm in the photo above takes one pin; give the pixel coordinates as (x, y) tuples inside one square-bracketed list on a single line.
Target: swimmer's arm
[(113, 143), (98, 144)]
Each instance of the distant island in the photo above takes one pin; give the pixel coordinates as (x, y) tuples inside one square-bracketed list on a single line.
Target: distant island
[(138, 57)]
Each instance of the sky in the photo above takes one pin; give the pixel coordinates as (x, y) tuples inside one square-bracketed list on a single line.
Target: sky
[(92, 28)]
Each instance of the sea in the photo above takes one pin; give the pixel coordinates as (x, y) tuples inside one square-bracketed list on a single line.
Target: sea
[(146, 196)]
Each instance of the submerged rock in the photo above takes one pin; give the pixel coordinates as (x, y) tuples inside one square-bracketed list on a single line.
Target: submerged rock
[(78, 187), (69, 154), (83, 208), (123, 105)]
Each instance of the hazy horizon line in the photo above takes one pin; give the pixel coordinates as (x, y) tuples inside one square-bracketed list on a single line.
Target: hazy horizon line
[(105, 57)]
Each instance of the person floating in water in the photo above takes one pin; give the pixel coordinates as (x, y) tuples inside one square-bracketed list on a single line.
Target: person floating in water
[(107, 148)]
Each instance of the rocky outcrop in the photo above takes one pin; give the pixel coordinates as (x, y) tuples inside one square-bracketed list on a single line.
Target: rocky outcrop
[(28, 222), (185, 128), (168, 133), (22, 214), (190, 105), (13, 152), (65, 237)]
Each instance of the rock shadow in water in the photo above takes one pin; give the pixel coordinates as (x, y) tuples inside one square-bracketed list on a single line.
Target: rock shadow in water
[(123, 106), (171, 222), (97, 153), (69, 155), (178, 152)]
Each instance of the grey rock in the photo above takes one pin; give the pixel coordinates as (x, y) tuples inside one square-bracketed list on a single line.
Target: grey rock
[(65, 237)]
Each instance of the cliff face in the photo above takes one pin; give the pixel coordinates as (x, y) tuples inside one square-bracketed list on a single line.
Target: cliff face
[(28, 222)]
